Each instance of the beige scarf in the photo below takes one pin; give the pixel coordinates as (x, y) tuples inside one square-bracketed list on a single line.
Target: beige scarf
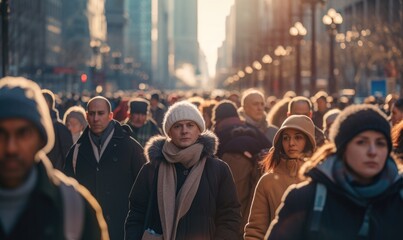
[(172, 208)]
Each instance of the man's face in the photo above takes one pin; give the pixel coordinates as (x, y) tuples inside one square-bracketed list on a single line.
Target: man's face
[(254, 107), (98, 116), (184, 133), (19, 142), (301, 108), (322, 104), (397, 115), (138, 119)]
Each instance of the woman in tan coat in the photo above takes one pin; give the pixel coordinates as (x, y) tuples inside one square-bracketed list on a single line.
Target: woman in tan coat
[(293, 144)]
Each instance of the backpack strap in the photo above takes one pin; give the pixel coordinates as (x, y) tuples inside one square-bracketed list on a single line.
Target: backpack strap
[(73, 211), (319, 204), (75, 153)]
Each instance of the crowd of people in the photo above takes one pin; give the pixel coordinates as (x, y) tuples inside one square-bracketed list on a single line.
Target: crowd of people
[(177, 166)]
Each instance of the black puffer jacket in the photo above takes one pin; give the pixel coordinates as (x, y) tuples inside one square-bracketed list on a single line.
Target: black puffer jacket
[(215, 211)]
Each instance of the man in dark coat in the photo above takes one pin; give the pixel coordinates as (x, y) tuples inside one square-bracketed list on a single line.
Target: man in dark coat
[(143, 127), (106, 160), (183, 192), (63, 138), (36, 200)]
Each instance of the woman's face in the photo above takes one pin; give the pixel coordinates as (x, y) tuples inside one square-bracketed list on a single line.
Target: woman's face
[(293, 143), (74, 125), (366, 155)]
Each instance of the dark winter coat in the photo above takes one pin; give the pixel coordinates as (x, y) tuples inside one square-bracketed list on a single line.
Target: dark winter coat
[(342, 216), (63, 142), (111, 179), (236, 138), (43, 218), (215, 211)]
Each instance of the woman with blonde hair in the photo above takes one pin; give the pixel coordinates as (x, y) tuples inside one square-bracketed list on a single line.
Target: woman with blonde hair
[(293, 144)]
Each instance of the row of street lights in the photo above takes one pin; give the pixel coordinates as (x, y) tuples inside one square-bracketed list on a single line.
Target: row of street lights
[(332, 20)]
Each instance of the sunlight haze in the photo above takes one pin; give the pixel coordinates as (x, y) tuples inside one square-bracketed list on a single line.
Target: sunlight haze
[(211, 28)]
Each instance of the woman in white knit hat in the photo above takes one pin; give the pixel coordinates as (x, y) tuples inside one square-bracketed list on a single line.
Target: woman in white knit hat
[(293, 144), (183, 191)]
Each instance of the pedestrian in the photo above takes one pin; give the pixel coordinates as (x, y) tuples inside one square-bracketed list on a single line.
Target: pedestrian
[(303, 106), (63, 138), (328, 119), (183, 191), (36, 200), (75, 120), (252, 110), (106, 160), (397, 112), (354, 190), (294, 143), (157, 109), (240, 146), (142, 126)]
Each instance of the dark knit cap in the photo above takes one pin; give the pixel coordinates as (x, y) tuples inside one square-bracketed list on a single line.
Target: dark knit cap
[(139, 105), (22, 98), (355, 119), (224, 109)]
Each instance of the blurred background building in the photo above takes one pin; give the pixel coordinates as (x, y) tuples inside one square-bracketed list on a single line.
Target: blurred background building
[(276, 45)]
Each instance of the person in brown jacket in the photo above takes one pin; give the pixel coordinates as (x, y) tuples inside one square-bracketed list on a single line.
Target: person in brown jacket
[(293, 144)]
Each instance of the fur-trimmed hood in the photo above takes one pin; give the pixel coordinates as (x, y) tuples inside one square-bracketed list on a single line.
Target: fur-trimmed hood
[(153, 148)]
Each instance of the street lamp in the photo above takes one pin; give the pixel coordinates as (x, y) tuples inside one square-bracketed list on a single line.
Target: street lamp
[(313, 48), (280, 52), (332, 20), (298, 31)]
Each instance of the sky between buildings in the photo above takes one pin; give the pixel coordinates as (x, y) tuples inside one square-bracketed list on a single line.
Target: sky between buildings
[(211, 28)]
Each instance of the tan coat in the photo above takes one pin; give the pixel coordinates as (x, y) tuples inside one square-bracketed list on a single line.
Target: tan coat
[(267, 197)]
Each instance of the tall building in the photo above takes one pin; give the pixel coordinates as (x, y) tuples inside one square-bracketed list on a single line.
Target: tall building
[(35, 39), (116, 20), (76, 37), (138, 44), (184, 47)]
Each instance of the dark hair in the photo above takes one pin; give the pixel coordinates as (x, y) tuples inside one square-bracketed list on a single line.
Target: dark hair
[(49, 97), (399, 104)]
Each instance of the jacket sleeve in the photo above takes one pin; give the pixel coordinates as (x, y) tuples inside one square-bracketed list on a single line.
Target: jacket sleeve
[(137, 157), (68, 166), (228, 216), (259, 216), (292, 215), (138, 204)]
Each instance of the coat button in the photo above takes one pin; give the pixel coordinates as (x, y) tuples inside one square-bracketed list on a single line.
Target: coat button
[(115, 159)]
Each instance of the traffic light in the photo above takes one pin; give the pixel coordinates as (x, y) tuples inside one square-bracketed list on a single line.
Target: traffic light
[(84, 78)]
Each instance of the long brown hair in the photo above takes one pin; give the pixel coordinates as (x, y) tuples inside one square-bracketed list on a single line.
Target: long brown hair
[(273, 157)]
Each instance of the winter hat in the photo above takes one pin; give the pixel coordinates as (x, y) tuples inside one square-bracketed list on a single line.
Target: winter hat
[(139, 105), (22, 98), (301, 123), (180, 111), (224, 109), (76, 112), (355, 119)]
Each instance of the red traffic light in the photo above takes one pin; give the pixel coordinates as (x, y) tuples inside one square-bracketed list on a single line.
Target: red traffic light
[(84, 78)]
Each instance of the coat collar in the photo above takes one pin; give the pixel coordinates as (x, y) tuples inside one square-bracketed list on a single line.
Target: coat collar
[(153, 148)]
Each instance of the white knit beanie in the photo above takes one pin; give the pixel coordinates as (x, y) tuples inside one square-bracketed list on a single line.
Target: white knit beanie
[(181, 111)]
